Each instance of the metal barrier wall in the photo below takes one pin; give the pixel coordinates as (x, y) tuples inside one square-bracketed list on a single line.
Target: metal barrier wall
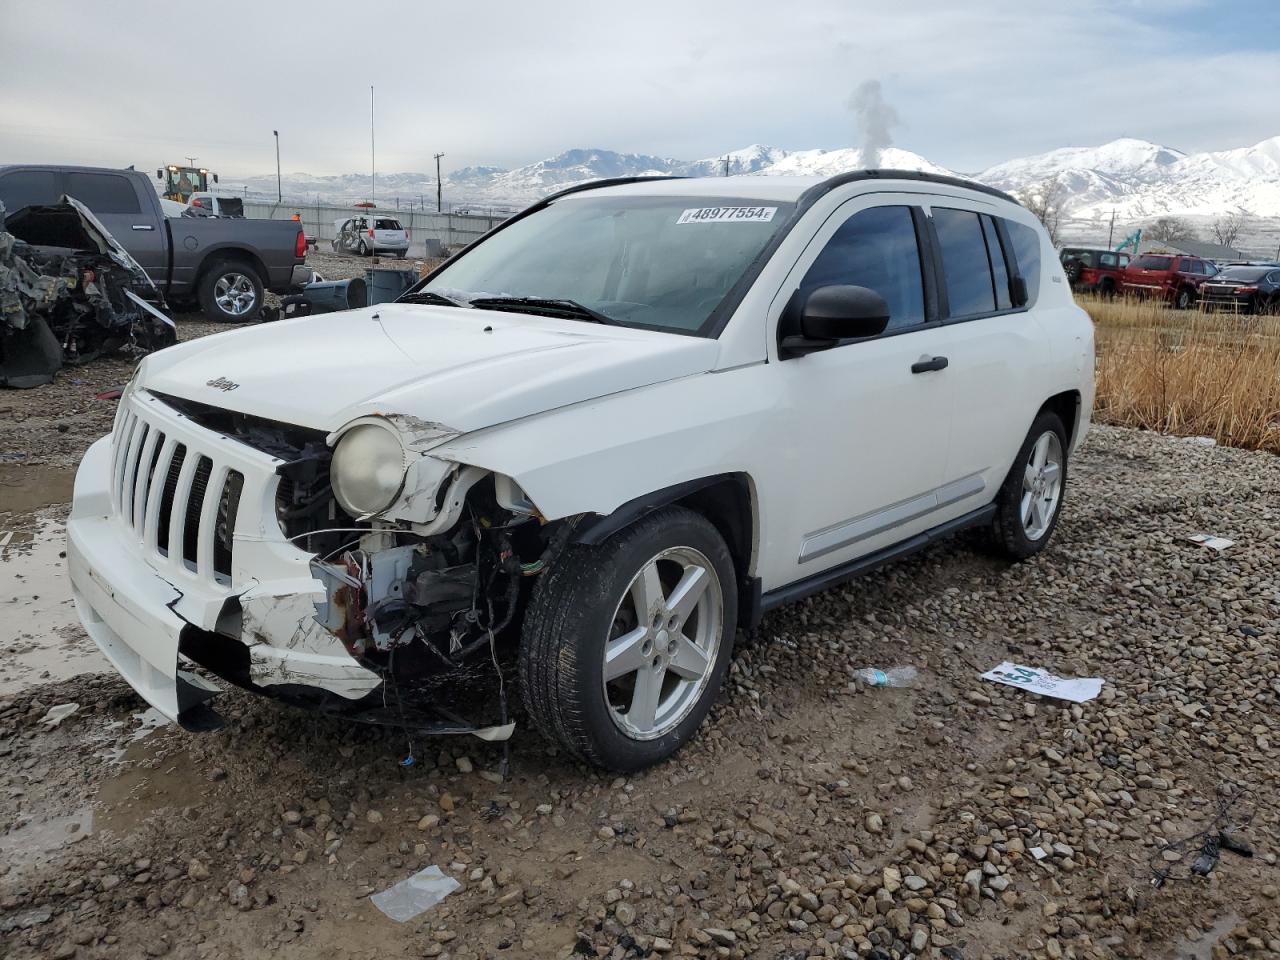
[(451, 229)]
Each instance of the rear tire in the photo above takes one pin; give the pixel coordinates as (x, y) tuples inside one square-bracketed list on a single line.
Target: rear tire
[(1030, 499), (362, 250), (613, 666), (1185, 299), (231, 292)]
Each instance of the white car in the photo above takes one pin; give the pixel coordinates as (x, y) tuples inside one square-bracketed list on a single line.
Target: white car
[(370, 235), (582, 453)]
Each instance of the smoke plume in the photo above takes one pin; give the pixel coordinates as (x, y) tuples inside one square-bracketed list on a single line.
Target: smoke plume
[(875, 119)]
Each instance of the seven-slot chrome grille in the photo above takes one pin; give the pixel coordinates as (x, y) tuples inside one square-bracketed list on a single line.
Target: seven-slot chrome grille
[(180, 500)]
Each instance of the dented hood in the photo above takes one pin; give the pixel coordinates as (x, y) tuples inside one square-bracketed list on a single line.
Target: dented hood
[(463, 369)]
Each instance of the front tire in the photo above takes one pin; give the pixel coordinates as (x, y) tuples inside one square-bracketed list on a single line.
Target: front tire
[(625, 644), (1030, 499), (231, 292)]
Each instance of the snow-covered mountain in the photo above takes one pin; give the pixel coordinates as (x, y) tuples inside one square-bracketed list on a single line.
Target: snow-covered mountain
[(1136, 178), (826, 163)]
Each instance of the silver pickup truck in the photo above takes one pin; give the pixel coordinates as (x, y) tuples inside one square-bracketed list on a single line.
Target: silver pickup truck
[(225, 265)]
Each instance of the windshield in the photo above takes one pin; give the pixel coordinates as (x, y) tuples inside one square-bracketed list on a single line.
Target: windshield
[(1153, 263), (662, 263), (1244, 274)]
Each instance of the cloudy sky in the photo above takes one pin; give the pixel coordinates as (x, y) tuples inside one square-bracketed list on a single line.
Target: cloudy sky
[(973, 81)]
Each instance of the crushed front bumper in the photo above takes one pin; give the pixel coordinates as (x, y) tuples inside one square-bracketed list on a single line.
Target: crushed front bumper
[(143, 607)]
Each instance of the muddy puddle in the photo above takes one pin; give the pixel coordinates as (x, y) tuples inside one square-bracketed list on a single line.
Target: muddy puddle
[(40, 636), (27, 488)]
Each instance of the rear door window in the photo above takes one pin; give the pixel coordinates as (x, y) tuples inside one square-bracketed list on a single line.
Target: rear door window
[(27, 188), (965, 265), (104, 192), (876, 248)]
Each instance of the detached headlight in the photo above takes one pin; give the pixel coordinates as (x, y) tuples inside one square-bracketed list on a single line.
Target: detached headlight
[(368, 469)]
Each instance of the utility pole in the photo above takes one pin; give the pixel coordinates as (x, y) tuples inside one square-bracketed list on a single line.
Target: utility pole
[(439, 194), (279, 191), (373, 156), (1112, 232)]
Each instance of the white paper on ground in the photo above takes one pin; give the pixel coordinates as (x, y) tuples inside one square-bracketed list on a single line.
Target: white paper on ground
[(1075, 689), (59, 713), (1209, 540), (414, 894)]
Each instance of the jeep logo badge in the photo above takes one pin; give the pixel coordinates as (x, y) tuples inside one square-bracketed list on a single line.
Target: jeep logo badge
[(223, 384)]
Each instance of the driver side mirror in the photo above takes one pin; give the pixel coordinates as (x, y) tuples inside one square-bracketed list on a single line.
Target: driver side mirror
[(827, 316), (159, 174)]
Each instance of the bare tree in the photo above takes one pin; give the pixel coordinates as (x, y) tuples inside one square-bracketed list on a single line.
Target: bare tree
[(1045, 200), (1226, 229), (1169, 230)]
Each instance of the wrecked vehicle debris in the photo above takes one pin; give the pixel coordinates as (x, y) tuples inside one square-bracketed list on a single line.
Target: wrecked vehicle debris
[(69, 293), (571, 460)]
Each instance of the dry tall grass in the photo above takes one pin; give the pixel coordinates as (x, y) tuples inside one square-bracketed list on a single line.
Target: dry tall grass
[(1188, 373)]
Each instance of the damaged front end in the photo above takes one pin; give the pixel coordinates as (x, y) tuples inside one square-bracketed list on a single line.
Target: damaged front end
[(428, 607), (69, 293), (435, 616)]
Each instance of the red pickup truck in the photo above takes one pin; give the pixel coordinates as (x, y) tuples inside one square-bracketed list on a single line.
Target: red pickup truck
[(1170, 277)]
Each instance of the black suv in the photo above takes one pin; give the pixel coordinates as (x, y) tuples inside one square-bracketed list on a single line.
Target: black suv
[(1244, 288)]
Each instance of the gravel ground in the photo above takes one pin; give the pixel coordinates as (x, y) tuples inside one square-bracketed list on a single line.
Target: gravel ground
[(813, 817), (54, 424)]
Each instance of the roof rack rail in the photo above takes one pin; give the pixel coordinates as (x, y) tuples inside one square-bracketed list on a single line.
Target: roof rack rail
[(840, 179)]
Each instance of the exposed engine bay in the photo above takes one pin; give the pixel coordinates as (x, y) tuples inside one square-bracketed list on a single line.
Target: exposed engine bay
[(69, 293)]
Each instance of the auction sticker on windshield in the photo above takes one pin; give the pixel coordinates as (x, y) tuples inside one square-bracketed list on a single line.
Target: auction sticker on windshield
[(731, 214)]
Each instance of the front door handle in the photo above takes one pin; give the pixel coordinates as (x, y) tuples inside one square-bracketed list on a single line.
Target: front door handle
[(143, 226), (928, 364)]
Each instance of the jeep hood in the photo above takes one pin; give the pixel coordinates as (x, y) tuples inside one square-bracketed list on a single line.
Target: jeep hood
[(461, 369)]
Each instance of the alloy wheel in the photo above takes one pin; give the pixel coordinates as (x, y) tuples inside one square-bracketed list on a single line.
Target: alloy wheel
[(234, 294), (1041, 485), (662, 648)]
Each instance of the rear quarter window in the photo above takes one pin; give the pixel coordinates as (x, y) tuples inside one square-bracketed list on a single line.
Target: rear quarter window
[(1026, 253)]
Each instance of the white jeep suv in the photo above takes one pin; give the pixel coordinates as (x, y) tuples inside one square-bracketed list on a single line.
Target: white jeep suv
[(581, 454)]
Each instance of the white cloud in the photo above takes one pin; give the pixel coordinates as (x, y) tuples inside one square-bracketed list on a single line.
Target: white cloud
[(507, 82)]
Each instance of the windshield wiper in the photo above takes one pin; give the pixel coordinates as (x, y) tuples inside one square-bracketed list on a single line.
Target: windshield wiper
[(544, 306), (430, 296)]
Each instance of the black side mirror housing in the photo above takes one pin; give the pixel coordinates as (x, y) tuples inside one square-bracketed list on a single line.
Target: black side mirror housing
[(159, 174), (827, 316), (215, 178)]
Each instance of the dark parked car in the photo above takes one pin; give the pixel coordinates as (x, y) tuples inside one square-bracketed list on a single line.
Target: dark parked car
[(1170, 277), (1253, 288), (1094, 270)]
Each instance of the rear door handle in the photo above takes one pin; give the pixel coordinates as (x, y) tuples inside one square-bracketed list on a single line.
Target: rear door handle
[(928, 364)]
